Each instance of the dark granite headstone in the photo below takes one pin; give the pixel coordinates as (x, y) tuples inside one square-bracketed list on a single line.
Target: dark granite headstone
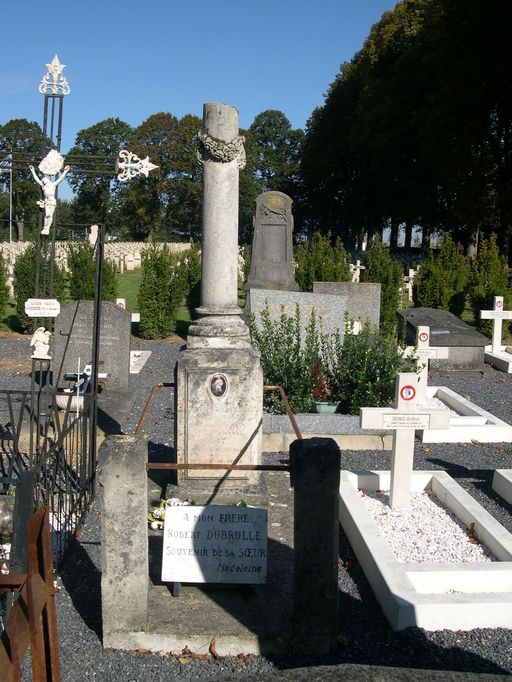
[(363, 298), (272, 247), (72, 341), (465, 344)]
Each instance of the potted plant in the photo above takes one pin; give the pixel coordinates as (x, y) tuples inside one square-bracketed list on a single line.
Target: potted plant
[(323, 400)]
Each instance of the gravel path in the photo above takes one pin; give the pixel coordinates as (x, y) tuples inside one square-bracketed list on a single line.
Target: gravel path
[(365, 636)]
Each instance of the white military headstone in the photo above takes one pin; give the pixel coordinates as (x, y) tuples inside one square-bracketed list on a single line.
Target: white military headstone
[(403, 419), (423, 353), (215, 544), (497, 315)]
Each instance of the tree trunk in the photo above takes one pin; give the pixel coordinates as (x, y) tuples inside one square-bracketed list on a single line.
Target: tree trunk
[(472, 245), (408, 234), (393, 235)]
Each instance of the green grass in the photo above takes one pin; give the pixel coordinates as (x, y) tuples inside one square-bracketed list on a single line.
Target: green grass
[(128, 287)]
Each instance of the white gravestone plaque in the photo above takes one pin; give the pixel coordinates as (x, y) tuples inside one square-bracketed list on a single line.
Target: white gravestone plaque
[(215, 544), (42, 307)]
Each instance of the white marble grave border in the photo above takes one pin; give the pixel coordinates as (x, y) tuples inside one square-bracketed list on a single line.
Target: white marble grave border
[(431, 596), (469, 424), (502, 484)]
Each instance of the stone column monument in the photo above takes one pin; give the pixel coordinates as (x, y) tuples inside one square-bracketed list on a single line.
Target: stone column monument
[(219, 382)]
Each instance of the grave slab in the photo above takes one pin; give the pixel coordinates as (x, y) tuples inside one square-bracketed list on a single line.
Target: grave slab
[(363, 298), (329, 308), (465, 345), (502, 484), (459, 596)]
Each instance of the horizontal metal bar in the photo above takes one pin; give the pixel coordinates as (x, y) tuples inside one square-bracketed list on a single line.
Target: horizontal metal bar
[(227, 467)]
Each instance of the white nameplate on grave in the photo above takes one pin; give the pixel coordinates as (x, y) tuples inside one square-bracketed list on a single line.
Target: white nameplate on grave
[(215, 544), (42, 307), (406, 421)]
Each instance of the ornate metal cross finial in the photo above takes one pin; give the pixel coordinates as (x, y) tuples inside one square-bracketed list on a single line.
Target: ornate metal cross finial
[(130, 165), (54, 82)]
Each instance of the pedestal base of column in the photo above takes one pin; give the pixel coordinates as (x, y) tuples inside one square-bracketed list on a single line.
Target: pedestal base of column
[(219, 328), (219, 411)]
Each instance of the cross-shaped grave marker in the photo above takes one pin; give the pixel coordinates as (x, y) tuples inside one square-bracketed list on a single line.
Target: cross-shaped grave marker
[(497, 315), (403, 419), (356, 271), (423, 352)]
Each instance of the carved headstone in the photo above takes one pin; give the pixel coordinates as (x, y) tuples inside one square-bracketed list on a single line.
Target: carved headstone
[(72, 341), (272, 246)]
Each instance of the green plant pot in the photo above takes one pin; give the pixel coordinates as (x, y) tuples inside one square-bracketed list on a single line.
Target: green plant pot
[(324, 407)]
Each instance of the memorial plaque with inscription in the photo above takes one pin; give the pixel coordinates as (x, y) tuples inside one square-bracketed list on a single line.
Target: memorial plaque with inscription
[(215, 544), (72, 341)]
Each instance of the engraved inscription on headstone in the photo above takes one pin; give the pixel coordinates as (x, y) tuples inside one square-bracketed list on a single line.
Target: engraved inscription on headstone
[(215, 544), (72, 341)]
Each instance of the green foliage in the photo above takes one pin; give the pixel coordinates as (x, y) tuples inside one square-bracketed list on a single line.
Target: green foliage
[(380, 267), (82, 274), (362, 371), (288, 354), (320, 261), (4, 292), (442, 281), (488, 278), (25, 283), (157, 309), (169, 280)]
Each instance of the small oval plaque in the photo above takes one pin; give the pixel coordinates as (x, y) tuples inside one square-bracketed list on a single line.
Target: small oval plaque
[(218, 385)]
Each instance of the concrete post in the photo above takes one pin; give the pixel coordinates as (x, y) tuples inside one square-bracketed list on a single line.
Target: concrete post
[(315, 477), (124, 538)]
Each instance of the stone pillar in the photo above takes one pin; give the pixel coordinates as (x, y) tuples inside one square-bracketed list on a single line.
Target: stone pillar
[(315, 477), (123, 479), (219, 382), (221, 154)]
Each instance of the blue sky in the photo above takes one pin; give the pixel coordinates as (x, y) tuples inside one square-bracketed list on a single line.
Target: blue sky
[(133, 58)]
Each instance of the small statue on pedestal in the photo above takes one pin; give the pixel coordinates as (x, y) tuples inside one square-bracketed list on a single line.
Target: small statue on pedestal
[(50, 165), (41, 342)]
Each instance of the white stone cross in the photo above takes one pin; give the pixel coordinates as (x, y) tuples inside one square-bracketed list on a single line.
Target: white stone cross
[(356, 270), (497, 315), (423, 352), (403, 419)]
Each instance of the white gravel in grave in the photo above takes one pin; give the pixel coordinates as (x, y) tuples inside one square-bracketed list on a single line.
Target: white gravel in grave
[(436, 402), (425, 532)]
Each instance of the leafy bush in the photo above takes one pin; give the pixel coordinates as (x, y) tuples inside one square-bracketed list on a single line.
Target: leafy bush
[(361, 372), (25, 283), (380, 267), (319, 261), (288, 354), (157, 308), (4, 291), (363, 369), (192, 265), (82, 274), (442, 281), (488, 278)]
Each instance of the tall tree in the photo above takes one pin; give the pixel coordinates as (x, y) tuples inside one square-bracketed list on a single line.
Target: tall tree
[(92, 175), (24, 140)]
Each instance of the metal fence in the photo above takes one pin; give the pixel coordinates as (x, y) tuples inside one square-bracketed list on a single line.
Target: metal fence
[(45, 460)]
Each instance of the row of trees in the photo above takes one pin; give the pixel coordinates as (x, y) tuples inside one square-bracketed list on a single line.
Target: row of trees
[(416, 130), (167, 203)]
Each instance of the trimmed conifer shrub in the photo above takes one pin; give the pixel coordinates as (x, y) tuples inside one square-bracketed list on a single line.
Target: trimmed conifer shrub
[(320, 261), (157, 312), (25, 283), (4, 291), (380, 267), (82, 274), (488, 278), (442, 281)]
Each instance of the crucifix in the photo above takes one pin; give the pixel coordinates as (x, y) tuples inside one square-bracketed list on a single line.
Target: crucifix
[(403, 419), (497, 315)]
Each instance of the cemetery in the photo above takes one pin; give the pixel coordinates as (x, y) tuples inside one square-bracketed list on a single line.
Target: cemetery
[(282, 454)]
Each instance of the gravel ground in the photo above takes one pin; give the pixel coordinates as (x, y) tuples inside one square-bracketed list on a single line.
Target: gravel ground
[(365, 636)]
